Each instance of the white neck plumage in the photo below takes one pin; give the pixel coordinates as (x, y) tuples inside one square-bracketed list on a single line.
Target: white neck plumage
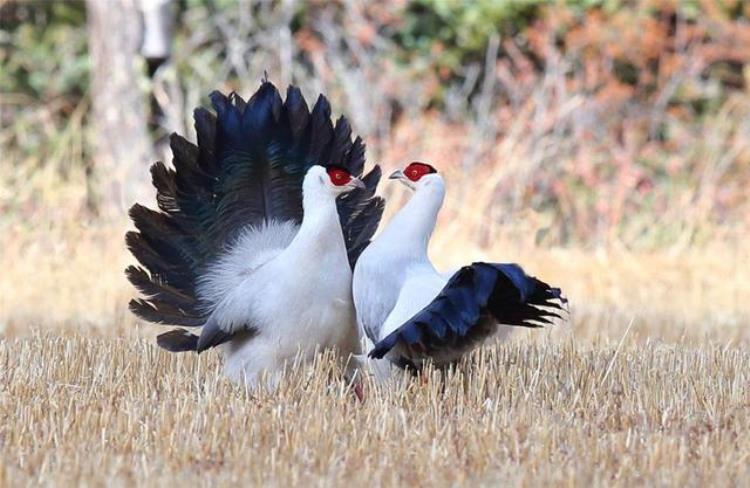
[(411, 228), (320, 229)]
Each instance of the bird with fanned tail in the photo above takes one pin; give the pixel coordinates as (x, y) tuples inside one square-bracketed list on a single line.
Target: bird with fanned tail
[(257, 230), (412, 313)]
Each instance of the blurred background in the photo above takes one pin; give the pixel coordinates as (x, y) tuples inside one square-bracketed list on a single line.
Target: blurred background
[(604, 144)]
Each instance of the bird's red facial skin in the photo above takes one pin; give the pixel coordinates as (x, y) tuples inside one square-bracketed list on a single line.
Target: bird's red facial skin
[(416, 170), (338, 176)]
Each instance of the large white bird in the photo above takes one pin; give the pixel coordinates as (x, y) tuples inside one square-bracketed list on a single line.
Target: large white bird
[(257, 230), (411, 312)]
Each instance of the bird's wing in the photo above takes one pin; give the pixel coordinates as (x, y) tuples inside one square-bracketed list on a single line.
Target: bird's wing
[(214, 334), (211, 335), (420, 287), (502, 292), (246, 170), (373, 314), (253, 248), (232, 314), (375, 290), (181, 340)]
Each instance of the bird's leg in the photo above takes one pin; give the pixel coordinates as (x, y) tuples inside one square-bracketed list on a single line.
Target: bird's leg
[(359, 391), (354, 378)]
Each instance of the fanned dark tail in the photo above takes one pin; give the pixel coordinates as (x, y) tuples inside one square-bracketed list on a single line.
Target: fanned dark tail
[(465, 311), (246, 169)]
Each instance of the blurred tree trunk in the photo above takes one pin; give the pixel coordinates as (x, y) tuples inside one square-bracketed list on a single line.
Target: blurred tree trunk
[(122, 147)]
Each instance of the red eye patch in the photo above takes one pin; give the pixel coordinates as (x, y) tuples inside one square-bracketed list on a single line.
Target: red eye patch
[(339, 176), (416, 170)]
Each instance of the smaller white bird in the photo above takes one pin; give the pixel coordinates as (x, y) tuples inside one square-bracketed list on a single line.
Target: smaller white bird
[(411, 312)]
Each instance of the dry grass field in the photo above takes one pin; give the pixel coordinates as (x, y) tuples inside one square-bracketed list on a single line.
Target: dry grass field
[(114, 411), (647, 384)]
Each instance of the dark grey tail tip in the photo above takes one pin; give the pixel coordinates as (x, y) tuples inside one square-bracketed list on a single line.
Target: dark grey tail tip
[(177, 340), (557, 294)]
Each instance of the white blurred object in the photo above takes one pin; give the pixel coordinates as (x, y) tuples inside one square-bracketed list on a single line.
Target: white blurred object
[(158, 24)]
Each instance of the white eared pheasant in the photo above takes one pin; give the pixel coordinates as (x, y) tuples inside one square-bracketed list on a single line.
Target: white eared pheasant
[(257, 230), (412, 313)]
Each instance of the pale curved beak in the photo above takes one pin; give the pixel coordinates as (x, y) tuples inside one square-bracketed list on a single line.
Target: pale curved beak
[(396, 175)]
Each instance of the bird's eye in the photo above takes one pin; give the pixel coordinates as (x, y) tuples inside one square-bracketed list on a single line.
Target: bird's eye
[(417, 170), (339, 176)]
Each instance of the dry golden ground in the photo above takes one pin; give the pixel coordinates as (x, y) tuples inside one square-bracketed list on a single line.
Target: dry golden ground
[(647, 384), (108, 411)]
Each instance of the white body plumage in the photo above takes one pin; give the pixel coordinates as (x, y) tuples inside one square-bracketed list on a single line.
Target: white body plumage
[(288, 286)]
